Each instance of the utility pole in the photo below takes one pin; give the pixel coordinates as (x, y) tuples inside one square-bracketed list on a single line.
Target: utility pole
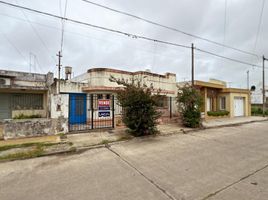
[(263, 86), (59, 68), (192, 64), (248, 79)]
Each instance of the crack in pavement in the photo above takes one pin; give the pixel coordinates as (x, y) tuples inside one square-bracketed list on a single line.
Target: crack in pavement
[(143, 175), (238, 181)]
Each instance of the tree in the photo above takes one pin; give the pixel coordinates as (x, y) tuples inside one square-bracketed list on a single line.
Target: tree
[(139, 106), (189, 102)]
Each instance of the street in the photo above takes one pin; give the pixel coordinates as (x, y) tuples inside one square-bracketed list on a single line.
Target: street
[(229, 163)]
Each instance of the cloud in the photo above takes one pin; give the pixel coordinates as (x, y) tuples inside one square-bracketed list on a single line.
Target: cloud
[(85, 47)]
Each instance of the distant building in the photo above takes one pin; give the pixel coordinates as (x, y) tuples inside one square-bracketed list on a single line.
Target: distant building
[(217, 97), (257, 96)]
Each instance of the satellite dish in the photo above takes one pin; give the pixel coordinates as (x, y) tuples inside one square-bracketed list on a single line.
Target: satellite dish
[(253, 88)]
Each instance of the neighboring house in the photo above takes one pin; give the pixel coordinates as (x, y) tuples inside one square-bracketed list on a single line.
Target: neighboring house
[(257, 96), (217, 97), (24, 93), (92, 96)]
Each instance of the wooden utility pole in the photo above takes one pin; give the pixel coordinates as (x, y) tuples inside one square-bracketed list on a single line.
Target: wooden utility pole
[(192, 64), (263, 86), (59, 68)]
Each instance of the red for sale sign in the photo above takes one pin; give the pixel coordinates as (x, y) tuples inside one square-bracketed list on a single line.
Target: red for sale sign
[(104, 104)]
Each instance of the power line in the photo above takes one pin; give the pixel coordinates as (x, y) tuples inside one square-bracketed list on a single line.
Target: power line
[(63, 25), (83, 35), (37, 34), (259, 26), (95, 26), (170, 28), (225, 21), (128, 34), (227, 58), (14, 46)]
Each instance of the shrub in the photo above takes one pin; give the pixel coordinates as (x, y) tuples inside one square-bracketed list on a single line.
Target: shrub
[(139, 107), (189, 103), (22, 116), (218, 113), (257, 111)]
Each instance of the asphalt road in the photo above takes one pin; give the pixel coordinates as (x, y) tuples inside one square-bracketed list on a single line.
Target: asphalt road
[(227, 163)]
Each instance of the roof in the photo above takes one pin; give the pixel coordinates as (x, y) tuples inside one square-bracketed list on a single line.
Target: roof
[(235, 90), (209, 84), (130, 73), (106, 88), (222, 87)]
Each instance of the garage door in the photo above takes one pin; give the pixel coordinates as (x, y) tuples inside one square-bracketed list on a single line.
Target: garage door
[(239, 108), (5, 112)]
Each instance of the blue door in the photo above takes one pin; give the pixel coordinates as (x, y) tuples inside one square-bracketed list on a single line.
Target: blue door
[(78, 108)]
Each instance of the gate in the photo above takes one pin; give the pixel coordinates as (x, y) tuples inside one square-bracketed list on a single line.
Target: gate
[(91, 111)]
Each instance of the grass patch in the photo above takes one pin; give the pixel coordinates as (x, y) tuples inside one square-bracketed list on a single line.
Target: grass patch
[(22, 116), (38, 151), (124, 137), (12, 146), (105, 142)]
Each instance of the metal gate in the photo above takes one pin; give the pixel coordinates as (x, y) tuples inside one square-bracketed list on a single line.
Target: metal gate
[(90, 111)]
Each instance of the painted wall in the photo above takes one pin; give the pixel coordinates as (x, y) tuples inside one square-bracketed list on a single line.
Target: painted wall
[(59, 106), (247, 104), (11, 129), (165, 82)]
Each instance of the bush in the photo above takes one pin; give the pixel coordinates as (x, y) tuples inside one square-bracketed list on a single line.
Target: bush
[(257, 111), (139, 107), (189, 103), (218, 113), (22, 116)]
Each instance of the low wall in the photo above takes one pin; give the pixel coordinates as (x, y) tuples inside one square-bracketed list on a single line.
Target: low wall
[(10, 129)]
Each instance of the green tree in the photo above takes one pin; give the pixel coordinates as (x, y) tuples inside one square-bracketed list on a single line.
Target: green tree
[(189, 102), (139, 106)]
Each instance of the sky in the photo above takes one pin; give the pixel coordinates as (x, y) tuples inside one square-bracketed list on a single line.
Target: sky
[(30, 41)]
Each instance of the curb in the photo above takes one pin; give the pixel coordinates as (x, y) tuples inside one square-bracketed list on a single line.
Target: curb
[(79, 150), (234, 124)]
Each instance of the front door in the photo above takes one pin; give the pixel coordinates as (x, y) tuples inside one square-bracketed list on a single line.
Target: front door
[(78, 109)]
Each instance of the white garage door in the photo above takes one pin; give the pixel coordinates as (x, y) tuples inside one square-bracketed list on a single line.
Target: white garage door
[(239, 109)]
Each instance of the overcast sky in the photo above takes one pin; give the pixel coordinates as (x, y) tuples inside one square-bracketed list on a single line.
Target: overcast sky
[(86, 47)]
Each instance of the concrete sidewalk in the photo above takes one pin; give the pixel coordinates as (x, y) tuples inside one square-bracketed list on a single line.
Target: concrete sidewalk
[(232, 121), (99, 137), (212, 164)]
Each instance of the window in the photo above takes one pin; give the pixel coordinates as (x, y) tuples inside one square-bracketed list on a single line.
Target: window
[(209, 104), (162, 101), (222, 103), (100, 96), (108, 96), (27, 101)]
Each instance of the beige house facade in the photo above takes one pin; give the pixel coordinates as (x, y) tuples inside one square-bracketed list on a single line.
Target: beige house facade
[(220, 101), (91, 97)]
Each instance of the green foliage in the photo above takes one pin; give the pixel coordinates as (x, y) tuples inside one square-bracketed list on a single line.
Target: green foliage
[(22, 116), (139, 107), (189, 103), (256, 111), (24, 145), (218, 113)]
